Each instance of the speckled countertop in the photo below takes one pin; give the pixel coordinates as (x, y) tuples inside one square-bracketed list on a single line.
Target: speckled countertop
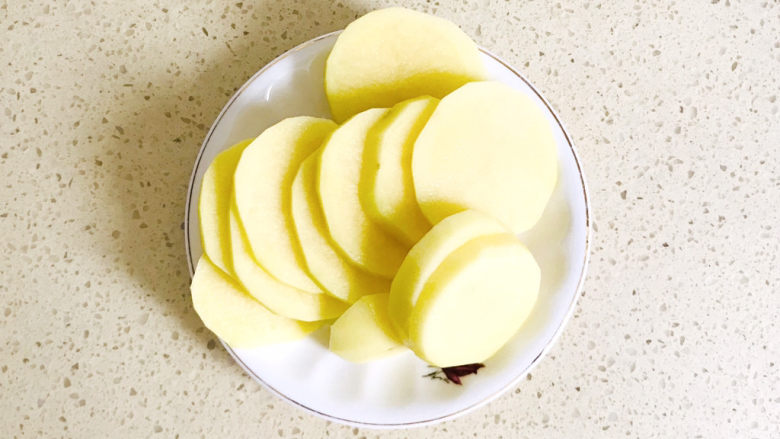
[(674, 109)]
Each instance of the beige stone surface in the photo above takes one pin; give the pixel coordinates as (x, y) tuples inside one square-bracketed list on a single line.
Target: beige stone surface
[(673, 106)]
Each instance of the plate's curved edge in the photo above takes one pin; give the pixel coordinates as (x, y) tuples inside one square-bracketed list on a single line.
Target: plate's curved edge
[(548, 345)]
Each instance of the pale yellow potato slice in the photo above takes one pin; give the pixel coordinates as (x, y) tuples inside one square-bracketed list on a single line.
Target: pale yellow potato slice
[(361, 240), (279, 297), (235, 316), (332, 270), (394, 54), (363, 333), (262, 188), (488, 147), (386, 186), (213, 205), (426, 256), (476, 300)]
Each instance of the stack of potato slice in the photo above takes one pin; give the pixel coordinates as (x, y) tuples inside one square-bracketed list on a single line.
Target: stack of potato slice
[(396, 227)]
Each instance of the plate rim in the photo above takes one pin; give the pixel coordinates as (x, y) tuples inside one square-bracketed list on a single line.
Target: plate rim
[(548, 345)]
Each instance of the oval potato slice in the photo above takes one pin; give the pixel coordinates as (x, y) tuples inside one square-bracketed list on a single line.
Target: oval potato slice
[(234, 316), (386, 186), (332, 270), (214, 204), (426, 256), (487, 147), (361, 240), (279, 297), (475, 301), (364, 333), (394, 54), (262, 184)]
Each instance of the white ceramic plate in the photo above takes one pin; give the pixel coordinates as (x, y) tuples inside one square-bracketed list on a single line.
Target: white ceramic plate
[(394, 392)]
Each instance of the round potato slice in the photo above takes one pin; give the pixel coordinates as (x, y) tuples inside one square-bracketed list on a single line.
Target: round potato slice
[(361, 240), (488, 147), (279, 297), (332, 270), (213, 205), (426, 256), (234, 316), (262, 189), (475, 301), (363, 333), (386, 186), (394, 54)]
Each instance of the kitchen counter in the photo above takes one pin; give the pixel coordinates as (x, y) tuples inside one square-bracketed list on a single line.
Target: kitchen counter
[(673, 107)]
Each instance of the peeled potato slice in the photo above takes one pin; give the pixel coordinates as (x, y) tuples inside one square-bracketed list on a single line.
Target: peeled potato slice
[(332, 270), (213, 205), (426, 256), (488, 147), (475, 301), (262, 188), (279, 297), (386, 186), (361, 240), (234, 316), (395, 54), (363, 332)]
